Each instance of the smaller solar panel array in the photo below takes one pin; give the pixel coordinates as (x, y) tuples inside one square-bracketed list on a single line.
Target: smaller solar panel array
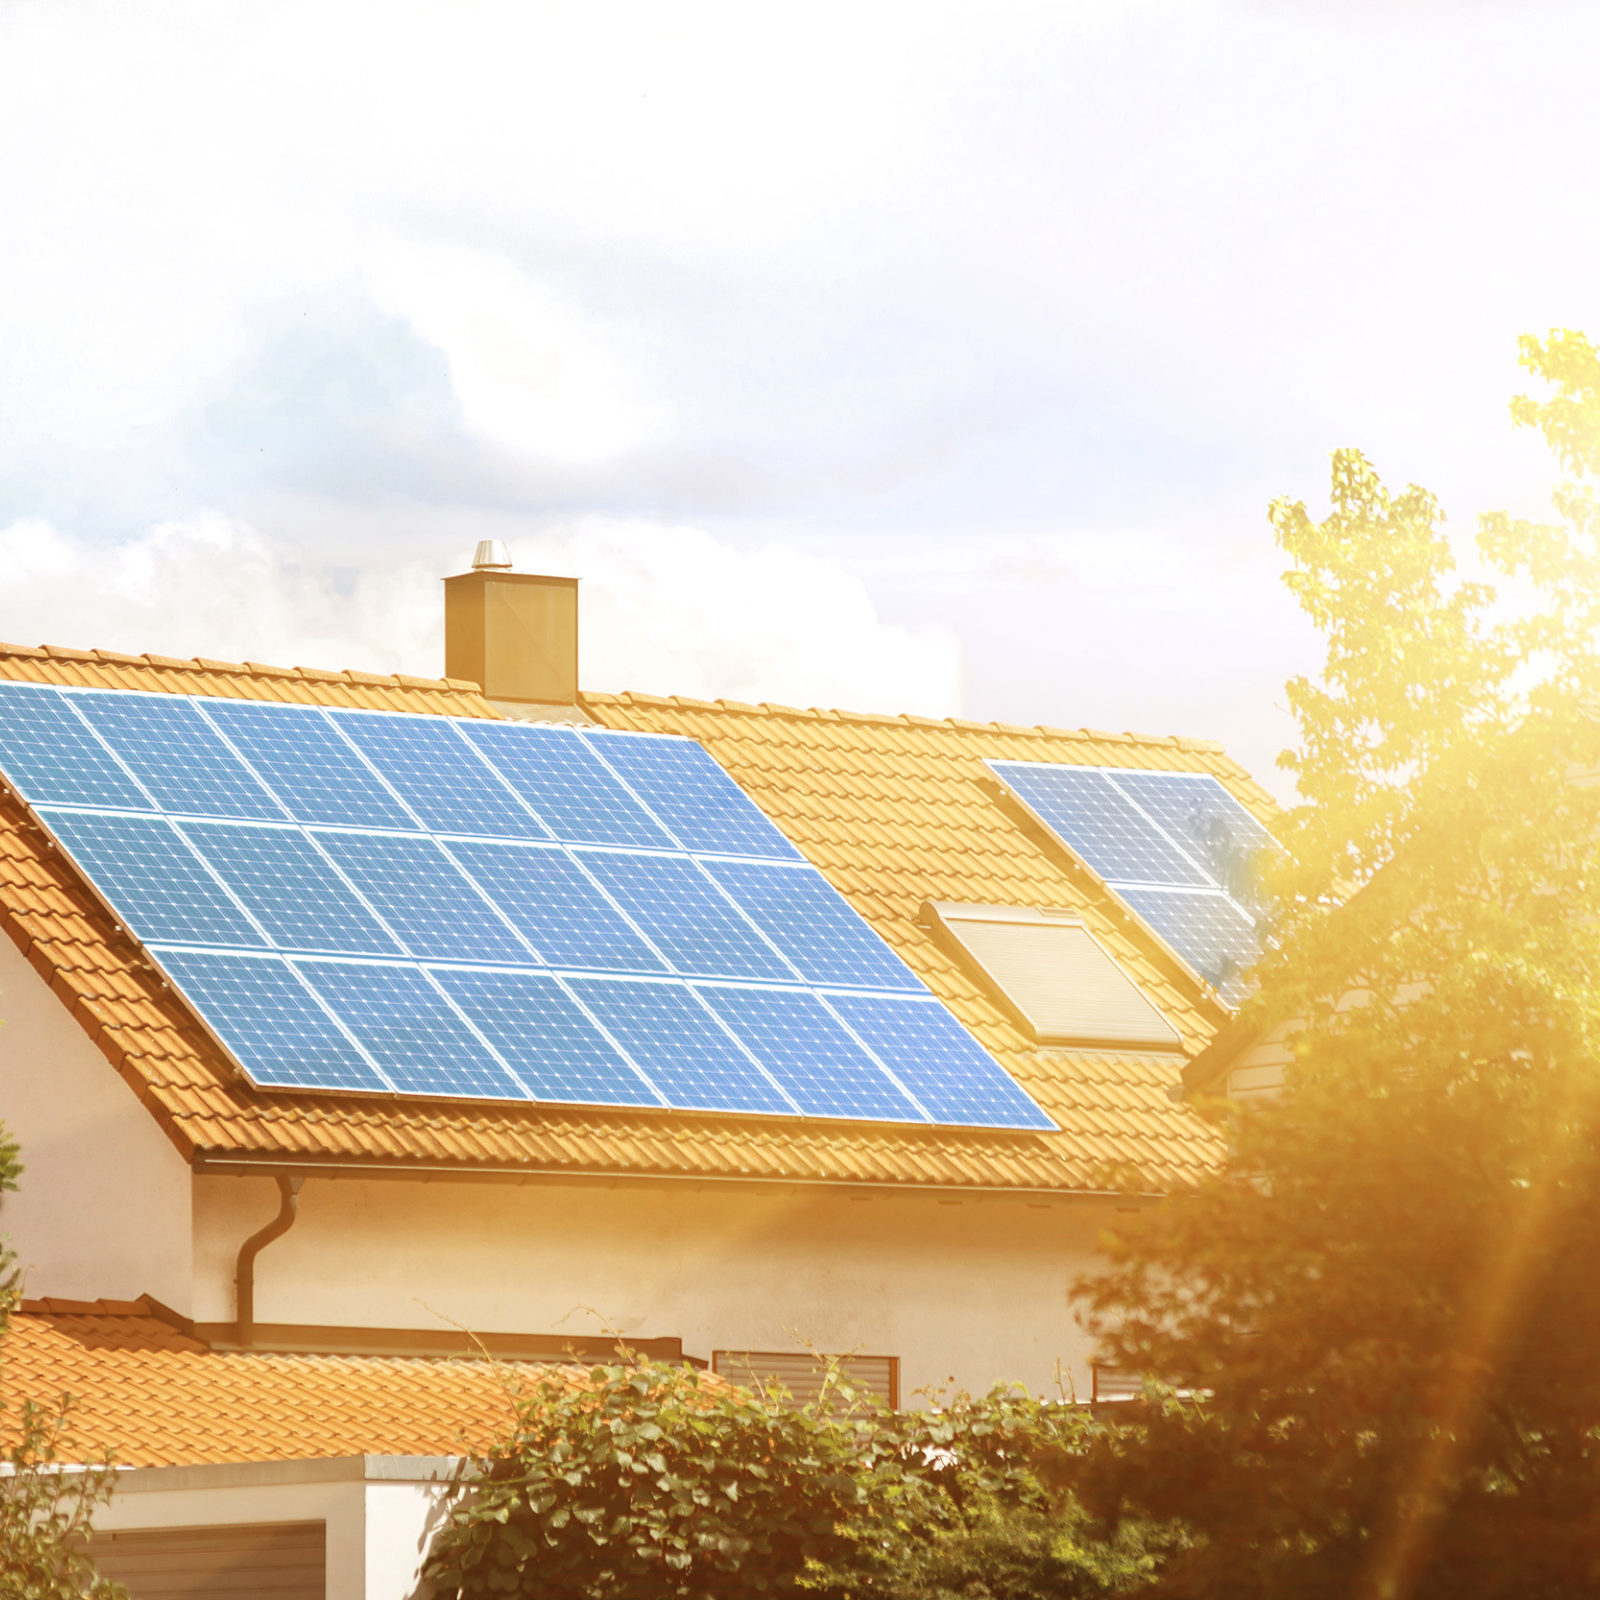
[(370, 901), (1176, 847)]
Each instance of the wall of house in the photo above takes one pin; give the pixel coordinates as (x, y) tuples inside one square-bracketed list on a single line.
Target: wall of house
[(104, 1207), (970, 1289)]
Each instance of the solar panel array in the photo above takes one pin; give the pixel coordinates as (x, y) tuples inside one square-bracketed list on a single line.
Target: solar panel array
[(374, 901), (1175, 846)]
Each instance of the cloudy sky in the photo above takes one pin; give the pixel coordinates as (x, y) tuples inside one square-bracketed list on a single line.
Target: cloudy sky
[(905, 357)]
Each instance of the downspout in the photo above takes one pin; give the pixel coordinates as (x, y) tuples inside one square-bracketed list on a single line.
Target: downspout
[(244, 1272)]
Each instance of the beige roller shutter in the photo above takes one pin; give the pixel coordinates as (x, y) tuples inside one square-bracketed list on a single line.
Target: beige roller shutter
[(255, 1561), (801, 1374), (1054, 977)]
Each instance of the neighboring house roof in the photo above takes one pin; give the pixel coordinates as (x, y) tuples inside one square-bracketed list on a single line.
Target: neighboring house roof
[(149, 1391), (895, 811)]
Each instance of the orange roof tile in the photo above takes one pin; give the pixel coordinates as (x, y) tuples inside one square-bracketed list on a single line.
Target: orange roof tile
[(895, 811), (154, 1396)]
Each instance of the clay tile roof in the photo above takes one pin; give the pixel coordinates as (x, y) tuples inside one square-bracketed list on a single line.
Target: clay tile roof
[(154, 1396), (895, 811)]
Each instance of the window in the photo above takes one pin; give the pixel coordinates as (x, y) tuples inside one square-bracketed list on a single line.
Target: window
[(1052, 975), (801, 1373)]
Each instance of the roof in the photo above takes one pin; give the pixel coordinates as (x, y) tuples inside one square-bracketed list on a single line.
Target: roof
[(147, 1390), (895, 811)]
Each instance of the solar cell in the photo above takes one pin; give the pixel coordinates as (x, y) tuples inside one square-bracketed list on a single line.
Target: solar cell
[(424, 897), (545, 1038), (153, 881), (676, 1041), (556, 907), (939, 1062), (312, 770), (177, 755), (1101, 824), (684, 916), (406, 1025), (1212, 934), (697, 802), (438, 774), (802, 1044), (288, 887), (1194, 809), (270, 1021), (813, 925), (575, 794), (50, 754)]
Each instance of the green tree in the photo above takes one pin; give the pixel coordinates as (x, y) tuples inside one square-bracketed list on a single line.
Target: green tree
[(1372, 1341), (45, 1512)]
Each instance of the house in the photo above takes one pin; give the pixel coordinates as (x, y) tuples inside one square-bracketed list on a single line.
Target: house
[(180, 1217)]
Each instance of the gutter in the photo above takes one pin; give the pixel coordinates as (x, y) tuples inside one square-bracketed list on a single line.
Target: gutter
[(244, 1272)]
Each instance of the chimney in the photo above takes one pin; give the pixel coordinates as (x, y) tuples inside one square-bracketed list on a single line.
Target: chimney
[(515, 634)]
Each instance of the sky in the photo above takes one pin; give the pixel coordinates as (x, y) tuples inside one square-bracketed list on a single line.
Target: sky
[(902, 357)]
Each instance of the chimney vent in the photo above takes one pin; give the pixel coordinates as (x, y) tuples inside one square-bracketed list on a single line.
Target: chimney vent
[(491, 556), (515, 634)]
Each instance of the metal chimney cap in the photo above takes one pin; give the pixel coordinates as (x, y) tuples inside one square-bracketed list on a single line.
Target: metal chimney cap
[(491, 556)]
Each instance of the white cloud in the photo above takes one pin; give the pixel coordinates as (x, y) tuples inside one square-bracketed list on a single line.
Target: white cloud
[(670, 610)]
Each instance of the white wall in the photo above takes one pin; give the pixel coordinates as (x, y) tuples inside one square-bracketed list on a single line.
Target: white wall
[(104, 1208), (975, 1290)]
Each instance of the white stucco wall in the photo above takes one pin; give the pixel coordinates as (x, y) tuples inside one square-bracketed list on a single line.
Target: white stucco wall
[(975, 1289), (104, 1207)]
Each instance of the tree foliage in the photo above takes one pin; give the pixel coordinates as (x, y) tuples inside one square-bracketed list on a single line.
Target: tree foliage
[(650, 1480), (1386, 1311)]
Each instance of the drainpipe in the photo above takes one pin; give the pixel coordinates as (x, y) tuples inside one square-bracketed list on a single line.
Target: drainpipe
[(244, 1272)]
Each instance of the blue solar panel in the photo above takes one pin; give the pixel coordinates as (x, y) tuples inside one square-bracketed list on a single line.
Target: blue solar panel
[(176, 754), (698, 803), (289, 888), (1101, 824), (687, 920), (678, 1044), (813, 925), (938, 1061), (49, 753), (403, 1022), (575, 794), (1194, 809), (298, 753), (152, 879), (270, 1021), (545, 1038), (1207, 929), (424, 896), (438, 774), (556, 907), (802, 1044)]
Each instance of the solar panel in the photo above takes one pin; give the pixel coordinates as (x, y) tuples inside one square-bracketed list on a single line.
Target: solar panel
[(818, 1062), (575, 794), (152, 879), (438, 774), (813, 925), (52, 755), (545, 1037), (178, 757), (695, 800), (687, 920), (1176, 847), (408, 1027), (669, 1032), (270, 1021), (288, 886), (312, 769), (952, 1076), (556, 907), (419, 905), (424, 897)]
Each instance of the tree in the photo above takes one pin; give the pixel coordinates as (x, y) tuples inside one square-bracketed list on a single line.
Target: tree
[(45, 1512), (1372, 1341)]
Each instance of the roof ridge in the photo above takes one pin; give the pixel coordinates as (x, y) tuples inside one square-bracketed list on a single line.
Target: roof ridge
[(900, 719)]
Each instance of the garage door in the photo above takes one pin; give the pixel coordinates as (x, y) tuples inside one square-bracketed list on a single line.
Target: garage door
[(252, 1561)]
